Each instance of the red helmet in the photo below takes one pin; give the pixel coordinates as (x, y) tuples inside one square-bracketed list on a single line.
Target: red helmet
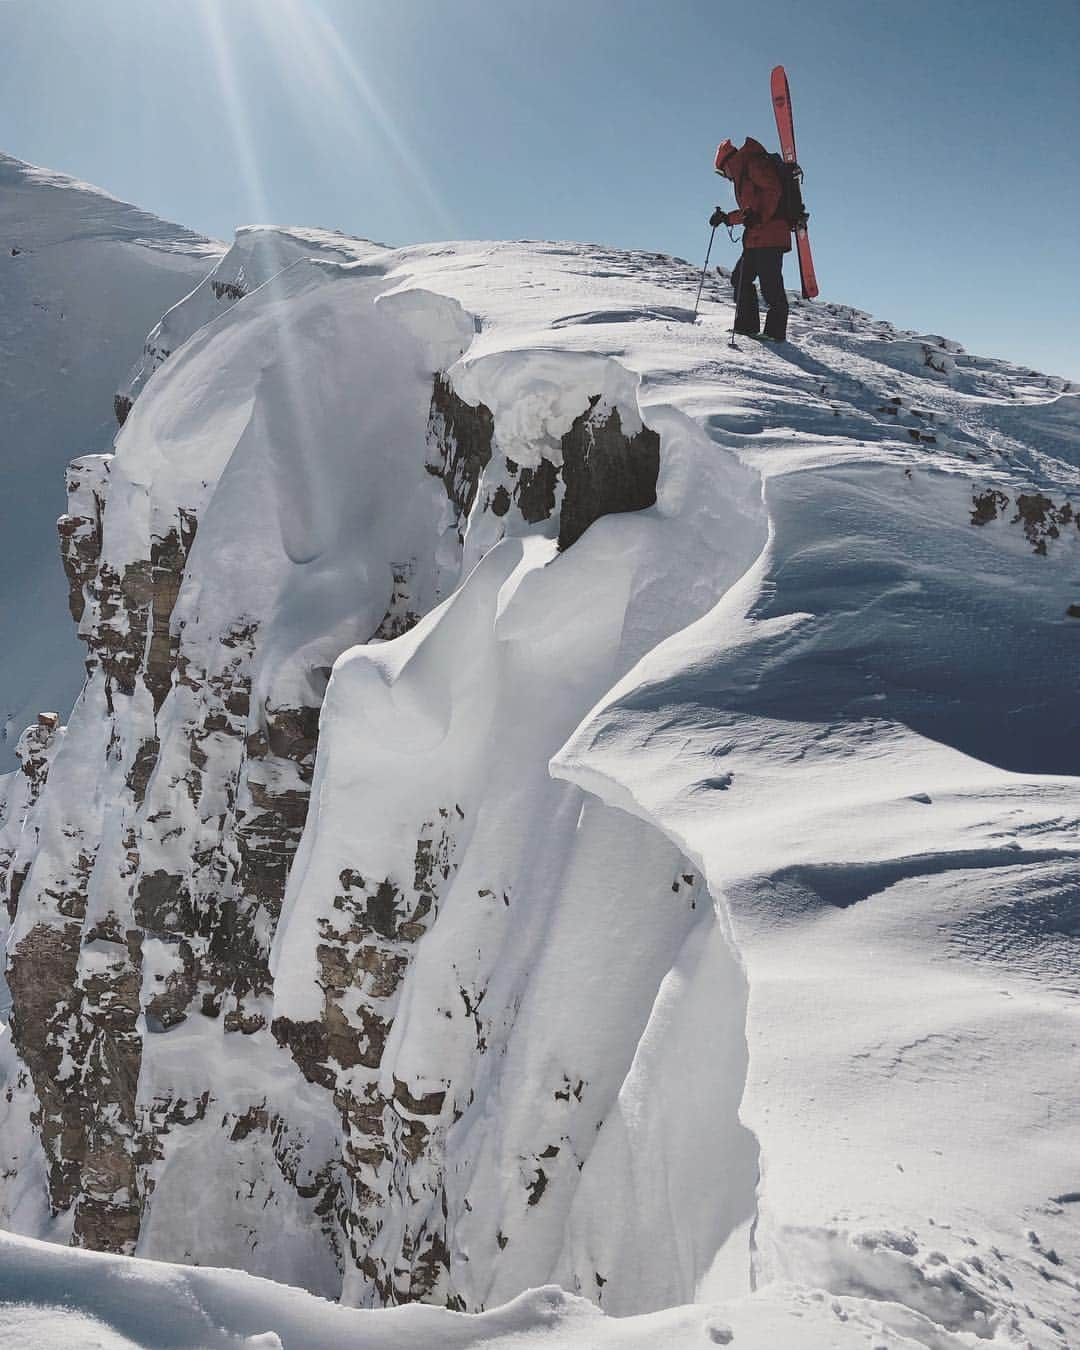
[(724, 151)]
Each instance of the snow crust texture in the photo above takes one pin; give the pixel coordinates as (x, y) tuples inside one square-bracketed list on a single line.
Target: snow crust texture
[(555, 800)]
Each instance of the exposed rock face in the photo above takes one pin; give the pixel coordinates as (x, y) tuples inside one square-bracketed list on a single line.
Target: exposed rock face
[(601, 471), (1041, 519), (605, 471), (363, 955), (80, 527), (230, 290), (35, 750), (535, 490), (75, 970), (987, 506), (83, 997), (167, 558), (459, 437), (46, 1002)]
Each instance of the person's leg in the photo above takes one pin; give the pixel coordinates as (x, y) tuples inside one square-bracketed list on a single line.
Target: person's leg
[(747, 315), (771, 271)]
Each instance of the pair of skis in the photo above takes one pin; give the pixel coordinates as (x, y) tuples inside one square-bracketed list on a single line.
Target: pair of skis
[(785, 127)]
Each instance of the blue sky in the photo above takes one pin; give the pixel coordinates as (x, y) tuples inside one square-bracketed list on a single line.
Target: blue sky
[(939, 139)]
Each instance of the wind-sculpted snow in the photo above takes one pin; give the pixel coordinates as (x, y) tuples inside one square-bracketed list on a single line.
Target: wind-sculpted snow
[(258, 255), (544, 905), (51, 1299), (868, 748), (670, 893)]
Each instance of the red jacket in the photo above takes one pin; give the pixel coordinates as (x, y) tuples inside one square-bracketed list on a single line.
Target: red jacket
[(757, 189)]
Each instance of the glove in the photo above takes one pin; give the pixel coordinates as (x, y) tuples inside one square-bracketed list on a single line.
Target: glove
[(750, 219), (718, 217)]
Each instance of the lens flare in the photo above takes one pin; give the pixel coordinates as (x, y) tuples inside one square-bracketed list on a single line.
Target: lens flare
[(326, 90), (236, 108)]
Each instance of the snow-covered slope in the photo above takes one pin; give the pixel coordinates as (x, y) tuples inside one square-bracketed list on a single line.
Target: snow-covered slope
[(52, 1298), (676, 898), (82, 279)]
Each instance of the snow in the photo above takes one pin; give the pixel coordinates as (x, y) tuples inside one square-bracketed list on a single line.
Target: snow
[(51, 1298), (535, 396), (254, 400), (821, 696), (752, 969), (82, 279)]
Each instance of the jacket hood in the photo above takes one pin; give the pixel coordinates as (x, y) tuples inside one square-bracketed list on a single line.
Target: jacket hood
[(747, 150)]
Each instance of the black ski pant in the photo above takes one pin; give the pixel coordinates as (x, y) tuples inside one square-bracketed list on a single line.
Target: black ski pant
[(765, 265)]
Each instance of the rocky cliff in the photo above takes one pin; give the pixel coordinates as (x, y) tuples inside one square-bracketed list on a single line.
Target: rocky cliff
[(145, 882), (556, 799)]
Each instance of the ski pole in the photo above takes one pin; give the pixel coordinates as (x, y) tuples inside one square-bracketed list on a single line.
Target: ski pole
[(741, 264), (704, 269)]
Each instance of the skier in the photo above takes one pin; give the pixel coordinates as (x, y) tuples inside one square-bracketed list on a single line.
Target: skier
[(766, 238)]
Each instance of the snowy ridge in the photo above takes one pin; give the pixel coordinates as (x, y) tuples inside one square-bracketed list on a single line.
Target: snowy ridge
[(258, 254), (47, 209), (82, 277), (684, 897)]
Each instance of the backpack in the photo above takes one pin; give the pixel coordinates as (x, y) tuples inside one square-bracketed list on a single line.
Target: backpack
[(791, 208)]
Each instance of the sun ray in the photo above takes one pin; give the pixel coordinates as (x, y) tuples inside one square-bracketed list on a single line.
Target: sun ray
[(288, 362), (236, 109), (320, 63)]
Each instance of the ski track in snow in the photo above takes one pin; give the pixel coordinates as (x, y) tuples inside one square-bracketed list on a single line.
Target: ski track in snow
[(804, 681)]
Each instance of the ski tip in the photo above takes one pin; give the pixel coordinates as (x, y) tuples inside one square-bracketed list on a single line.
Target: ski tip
[(778, 70)]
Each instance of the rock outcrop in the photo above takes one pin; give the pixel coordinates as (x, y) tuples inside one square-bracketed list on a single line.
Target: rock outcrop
[(146, 885), (1039, 516), (605, 470)]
